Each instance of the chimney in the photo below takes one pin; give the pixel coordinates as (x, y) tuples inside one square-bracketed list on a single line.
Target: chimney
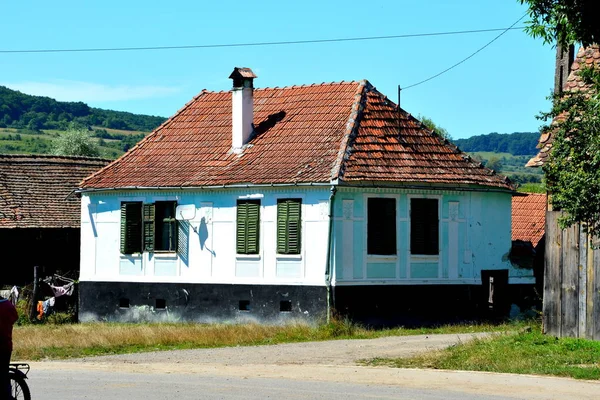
[(564, 60), (242, 106)]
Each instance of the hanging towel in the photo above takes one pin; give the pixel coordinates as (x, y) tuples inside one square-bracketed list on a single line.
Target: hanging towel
[(66, 290), (14, 295)]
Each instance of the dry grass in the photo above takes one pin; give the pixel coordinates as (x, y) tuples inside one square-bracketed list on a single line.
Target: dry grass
[(35, 342)]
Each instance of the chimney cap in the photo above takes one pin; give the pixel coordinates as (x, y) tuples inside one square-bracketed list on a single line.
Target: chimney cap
[(243, 73)]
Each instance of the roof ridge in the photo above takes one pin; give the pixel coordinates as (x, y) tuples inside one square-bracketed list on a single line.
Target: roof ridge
[(145, 139), (311, 85), (51, 157), (351, 128)]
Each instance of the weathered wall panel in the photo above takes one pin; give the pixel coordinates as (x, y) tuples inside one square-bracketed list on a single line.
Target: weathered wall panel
[(571, 282)]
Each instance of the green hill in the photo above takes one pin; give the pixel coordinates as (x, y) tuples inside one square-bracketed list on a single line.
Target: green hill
[(516, 143), (28, 124), (23, 111), (505, 153)]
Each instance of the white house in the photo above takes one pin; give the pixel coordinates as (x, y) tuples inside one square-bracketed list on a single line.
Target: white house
[(278, 203)]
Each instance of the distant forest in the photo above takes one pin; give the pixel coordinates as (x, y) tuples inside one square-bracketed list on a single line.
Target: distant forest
[(23, 111), (517, 143)]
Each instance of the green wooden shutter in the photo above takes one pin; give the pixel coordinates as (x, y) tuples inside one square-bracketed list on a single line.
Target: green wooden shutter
[(131, 227), (149, 213), (252, 232), (248, 227), (289, 224)]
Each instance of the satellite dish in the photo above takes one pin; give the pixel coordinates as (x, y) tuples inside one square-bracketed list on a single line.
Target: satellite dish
[(185, 212)]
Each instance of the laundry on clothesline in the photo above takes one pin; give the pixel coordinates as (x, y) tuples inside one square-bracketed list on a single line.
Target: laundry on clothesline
[(45, 308), (65, 290), (12, 295)]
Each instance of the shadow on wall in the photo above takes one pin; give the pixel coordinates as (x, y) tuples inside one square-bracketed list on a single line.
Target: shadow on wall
[(203, 236)]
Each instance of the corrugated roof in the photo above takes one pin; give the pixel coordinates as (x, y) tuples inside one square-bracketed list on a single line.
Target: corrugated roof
[(34, 190), (303, 134), (529, 217), (586, 56)]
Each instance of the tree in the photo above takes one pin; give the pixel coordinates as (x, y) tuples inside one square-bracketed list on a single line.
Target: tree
[(494, 163), (565, 21), (573, 168), (428, 122), (76, 141)]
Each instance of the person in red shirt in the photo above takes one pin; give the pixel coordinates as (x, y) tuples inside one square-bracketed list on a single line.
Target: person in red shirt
[(8, 317)]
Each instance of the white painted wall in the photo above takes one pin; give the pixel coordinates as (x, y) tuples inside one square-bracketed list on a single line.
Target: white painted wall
[(475, 235), (212, 256)]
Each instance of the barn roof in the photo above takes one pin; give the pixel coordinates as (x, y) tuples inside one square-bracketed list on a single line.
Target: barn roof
[(34, 190)]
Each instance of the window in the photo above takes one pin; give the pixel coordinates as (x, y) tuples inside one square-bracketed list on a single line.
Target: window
[(166, 226), (148, 227), (424, 226), (289, 226), (248, 224), (381, 226), (131, 227)]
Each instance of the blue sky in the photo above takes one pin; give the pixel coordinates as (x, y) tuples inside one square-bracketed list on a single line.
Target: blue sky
[(501, 89)]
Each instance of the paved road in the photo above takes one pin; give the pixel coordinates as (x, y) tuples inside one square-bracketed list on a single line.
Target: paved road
[(319, 370)]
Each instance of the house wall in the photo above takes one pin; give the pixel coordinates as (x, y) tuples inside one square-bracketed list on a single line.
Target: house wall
[(474, 235), (210, 263), (406, 289)]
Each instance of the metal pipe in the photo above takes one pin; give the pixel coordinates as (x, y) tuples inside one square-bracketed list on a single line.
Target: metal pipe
[(330, 301)]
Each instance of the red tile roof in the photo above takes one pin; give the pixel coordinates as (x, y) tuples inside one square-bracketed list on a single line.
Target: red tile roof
[(303, 134), (586, 56), (34, 190), (529, 217)]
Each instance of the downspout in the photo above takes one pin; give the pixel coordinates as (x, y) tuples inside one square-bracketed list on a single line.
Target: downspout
[(330, 299)]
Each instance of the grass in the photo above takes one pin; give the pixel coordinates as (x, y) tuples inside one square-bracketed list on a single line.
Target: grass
[(37, 342), (525, 352)]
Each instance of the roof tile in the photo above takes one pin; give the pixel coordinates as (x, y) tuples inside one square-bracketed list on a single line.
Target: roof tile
[(529, 217), (588, 56), (34, 190), (317, 133)]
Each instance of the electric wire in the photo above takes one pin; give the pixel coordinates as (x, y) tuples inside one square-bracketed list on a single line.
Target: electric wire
[(254, 44), (470, 56)]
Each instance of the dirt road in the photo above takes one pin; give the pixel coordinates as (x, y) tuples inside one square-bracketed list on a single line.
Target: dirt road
[(335, 361)]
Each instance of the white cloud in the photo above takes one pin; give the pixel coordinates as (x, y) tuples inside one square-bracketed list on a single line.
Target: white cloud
[(66, 90)]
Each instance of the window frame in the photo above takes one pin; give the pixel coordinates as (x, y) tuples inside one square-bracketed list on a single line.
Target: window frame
[(373, 246), (173, 246), (148, 227)]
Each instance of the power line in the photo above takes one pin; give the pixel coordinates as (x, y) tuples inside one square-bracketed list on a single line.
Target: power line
[(210, 46), (465, 59)]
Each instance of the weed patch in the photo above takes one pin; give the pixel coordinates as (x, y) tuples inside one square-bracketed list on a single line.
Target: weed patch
[(525, 352)]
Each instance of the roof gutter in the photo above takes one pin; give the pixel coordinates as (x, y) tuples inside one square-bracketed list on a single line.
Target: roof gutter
[(211, 187), (328, 273), (337, 182)]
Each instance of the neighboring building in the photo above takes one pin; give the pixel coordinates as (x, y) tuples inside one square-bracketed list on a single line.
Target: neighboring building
[(586, 56), (570, 281), (528, 228), (39, 220), (282, 203)]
